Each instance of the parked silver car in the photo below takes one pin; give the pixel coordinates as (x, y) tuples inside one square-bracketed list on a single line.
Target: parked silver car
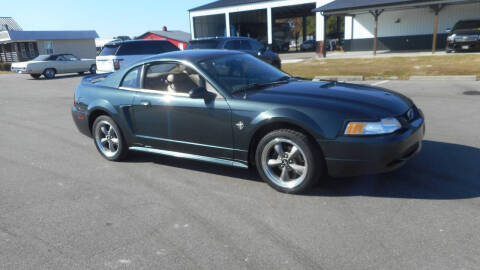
[(50, 65)]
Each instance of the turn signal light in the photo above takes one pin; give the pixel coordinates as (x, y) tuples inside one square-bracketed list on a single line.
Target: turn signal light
[(355, 128)]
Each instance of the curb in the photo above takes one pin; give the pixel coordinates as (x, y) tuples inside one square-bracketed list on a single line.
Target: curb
[(445, 78), (338, 78)]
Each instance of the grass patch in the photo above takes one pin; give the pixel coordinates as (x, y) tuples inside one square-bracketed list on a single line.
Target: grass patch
[(402, 67)]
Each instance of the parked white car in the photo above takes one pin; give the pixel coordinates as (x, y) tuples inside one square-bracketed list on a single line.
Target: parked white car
[(50, 65), (119, 54)]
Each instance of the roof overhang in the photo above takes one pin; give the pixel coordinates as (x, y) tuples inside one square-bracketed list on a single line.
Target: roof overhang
[(11, 36), (330, 9)]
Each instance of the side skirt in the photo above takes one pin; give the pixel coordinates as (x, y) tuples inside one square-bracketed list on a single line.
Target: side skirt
[(189, 156)]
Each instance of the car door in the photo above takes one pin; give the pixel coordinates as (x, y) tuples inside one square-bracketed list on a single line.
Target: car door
[(60, 65), (167, 118), (150, 107), (74, 64)]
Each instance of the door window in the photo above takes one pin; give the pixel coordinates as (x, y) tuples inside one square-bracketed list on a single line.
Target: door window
[(245, 45), (172, 78), (69, 57)]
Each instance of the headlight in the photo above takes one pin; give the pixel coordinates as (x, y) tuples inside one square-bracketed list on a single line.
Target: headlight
[(451, 38), (384, 126)]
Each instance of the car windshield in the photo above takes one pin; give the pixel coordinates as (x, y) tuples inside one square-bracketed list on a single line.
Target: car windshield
[(41, 58), (203, 44), (468, 25), (239, 71)]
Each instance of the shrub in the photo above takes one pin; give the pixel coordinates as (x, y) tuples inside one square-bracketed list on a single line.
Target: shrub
[(5, 66)]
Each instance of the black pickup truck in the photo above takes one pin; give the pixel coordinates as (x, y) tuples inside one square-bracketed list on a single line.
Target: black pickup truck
[(465, 36)]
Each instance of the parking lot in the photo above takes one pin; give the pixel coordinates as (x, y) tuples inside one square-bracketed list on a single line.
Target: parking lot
[(63, 206)]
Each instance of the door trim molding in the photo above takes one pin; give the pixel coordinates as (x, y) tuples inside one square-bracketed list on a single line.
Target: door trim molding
[(190, 156)]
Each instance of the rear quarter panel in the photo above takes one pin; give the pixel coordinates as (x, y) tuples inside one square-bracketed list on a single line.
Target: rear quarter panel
[(94, 99)]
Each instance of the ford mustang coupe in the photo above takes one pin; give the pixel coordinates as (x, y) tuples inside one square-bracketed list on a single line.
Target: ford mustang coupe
[(230, 108)]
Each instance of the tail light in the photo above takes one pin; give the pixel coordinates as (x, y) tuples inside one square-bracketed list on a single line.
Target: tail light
[(116, 64)]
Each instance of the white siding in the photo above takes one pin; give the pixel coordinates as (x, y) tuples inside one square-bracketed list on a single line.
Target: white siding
[(417, 21), (82, 48)]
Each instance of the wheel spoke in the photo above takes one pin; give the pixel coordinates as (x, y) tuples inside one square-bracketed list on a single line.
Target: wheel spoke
[(111, 131), (111, 147), (274, 162), (104, 130), (103, 140), (115, 141), (293, 152), (284, 176), (279, 149), (299, 169)]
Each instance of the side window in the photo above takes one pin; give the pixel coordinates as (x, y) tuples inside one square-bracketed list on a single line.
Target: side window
[(256, 46), (172, 77), (60, 58), (132, 79), (245, 45), (230, 45)]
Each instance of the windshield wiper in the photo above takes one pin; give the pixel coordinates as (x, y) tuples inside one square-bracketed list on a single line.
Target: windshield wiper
[(252, 86)]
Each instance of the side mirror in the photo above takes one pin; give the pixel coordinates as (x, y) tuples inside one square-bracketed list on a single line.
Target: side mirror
[(448, 30), (262, 50), (198, 92)]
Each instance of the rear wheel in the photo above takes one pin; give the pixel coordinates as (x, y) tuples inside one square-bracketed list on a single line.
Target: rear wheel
[(35, 76), (288, 161), (108, 139), (93, 69), (49, 73)]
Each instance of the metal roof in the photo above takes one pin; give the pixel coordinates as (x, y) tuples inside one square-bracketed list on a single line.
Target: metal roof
[(10, 22), (46, 35), (227, 3), (176, 35), (345, 5)]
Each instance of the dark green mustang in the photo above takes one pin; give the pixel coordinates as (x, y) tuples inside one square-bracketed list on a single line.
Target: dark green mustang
[(230, 108)]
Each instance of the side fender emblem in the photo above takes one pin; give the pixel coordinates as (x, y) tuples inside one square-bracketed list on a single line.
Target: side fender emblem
[(240, 125)]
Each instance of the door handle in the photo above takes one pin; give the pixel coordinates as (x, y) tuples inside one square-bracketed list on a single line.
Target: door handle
[(145, 103)]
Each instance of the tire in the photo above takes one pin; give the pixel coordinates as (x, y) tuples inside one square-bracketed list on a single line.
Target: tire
[(35, 76), (294, 172), (49, 73), (93, 69), (108, 139)]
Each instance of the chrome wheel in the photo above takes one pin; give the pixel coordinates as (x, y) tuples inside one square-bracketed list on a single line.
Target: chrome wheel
[(106, 138), (284, 163)]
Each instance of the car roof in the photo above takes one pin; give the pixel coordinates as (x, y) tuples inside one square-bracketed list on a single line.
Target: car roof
[(119, 42), (192, 55), (221, 38)]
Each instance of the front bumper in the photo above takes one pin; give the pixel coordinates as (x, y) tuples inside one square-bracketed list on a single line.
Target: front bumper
[(463, 46), (20, 70), (354, 156)]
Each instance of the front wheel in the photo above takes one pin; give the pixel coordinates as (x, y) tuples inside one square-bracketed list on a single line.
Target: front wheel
[(289, 161), (108, 139)]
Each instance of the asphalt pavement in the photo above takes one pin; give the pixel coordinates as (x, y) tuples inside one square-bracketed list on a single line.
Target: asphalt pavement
[(62, 206)]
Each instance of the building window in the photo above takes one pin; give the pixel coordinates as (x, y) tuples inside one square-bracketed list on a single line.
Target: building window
[(48, 47), (31, 50), (23, 50)]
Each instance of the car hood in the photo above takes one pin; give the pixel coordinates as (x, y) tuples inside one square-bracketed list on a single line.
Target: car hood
[(367, 100)]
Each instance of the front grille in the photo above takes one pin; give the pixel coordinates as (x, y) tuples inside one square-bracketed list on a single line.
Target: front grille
[(466, 38)]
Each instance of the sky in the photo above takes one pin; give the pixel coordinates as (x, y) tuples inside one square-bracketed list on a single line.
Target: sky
[(109, 18)]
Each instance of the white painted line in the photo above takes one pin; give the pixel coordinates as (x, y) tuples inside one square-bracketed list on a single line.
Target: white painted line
[(379, 83)]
